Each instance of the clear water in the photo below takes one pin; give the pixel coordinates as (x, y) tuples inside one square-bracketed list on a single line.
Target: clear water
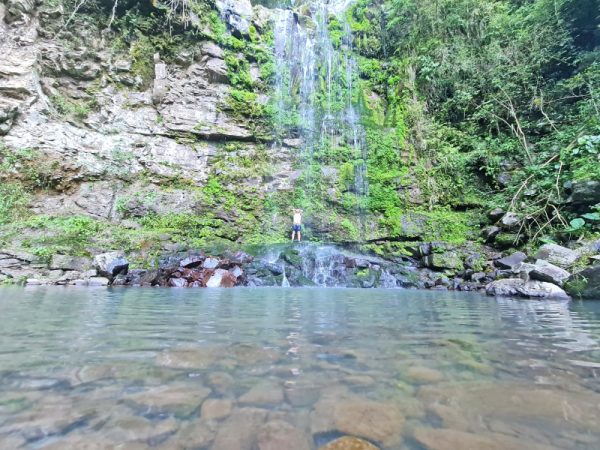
[(295, 368)]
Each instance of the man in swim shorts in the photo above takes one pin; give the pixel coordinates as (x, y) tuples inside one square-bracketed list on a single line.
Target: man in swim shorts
[(297, 224)]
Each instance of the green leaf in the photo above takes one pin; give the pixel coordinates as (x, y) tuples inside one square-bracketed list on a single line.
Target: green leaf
[(591, 216), (578, 223)]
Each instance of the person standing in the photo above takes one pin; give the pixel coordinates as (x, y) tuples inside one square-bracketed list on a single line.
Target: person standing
[(297, 224)]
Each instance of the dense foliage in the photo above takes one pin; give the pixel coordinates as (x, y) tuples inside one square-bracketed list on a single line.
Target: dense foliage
[(500, 101)]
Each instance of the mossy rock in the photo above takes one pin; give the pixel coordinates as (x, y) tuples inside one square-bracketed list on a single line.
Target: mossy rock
[(448, 260), (508, 240), (585, 284), (292, 256)]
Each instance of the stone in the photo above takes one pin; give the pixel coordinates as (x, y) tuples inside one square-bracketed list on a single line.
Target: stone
[(496, 214), (221, 278), (490, 233), (215, 409), (67, 262), (19, 10), (216, 70), (447, 260), (237, 15), (279, 435), (240, 258), (505, 240), (478, 277), (585, 193), (447, 439), (111, 264), (510, 221), (221, 382), (424, 375), (544, 271), (212, 49), (541, 289), (521, 288), (349, 443), (557, 255), (189, 358), (192, 261), (512, 261), (504, 287), (236, 271), (378, 422), (98, 281), (178, 282), (585, 284), (266, 393), (210, 263), (239, 431), (180, 400)]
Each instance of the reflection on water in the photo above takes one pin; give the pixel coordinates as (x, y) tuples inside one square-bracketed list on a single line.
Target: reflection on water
[(267, 369)]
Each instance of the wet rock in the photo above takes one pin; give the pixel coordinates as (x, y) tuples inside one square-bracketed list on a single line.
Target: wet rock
[(349, 443), (447, 260), (521, 288), (541, 289), (544, 271), (241, 258), (585, 284), (446, 439), (193, 358), (97, 281), (136, 429), (239, 431), (178, 282), (215, 409), (510, 221), (221, 382), (67, 262), (424, 375), (512, 261), (236, 271), (302, 395), (263, 394), (558, 255), (191, 435), (221, 278), (279, 435), (111, 264), (378, 422), (180, 400)]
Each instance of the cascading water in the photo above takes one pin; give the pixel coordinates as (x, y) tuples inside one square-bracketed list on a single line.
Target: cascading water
[(314, 95)]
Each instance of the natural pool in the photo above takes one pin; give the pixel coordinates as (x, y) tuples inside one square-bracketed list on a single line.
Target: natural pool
[(292, 369)]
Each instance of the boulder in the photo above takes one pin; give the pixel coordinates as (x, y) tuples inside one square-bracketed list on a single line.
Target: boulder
[(557, 255), (544, 271), (67, 262), (447, 260), (512, 261), (490, 233), (585, 193), (215, 409), (517, 287), (279, 435), (510, 221), (496, 214), (241, 257), (221, 278), (178, 282), (111, 264), (585, 284)]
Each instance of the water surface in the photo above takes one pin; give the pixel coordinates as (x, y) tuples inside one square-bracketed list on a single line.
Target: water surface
[(295, 368)]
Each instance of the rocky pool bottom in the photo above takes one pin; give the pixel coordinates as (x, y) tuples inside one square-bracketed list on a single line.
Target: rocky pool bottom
[(298, 369)]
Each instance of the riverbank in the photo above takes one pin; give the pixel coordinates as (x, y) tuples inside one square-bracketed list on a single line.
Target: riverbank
[(553, 271)]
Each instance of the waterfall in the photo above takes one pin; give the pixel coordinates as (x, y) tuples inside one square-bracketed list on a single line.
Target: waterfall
[(315, 99)]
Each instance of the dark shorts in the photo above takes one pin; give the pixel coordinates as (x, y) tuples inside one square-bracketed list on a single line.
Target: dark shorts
[(297, 228)]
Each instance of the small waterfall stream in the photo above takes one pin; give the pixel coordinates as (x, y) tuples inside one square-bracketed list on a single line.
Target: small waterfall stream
[(315, 96)]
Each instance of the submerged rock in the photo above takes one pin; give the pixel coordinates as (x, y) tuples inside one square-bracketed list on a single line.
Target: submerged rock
[(280, 435), (349, 443)]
